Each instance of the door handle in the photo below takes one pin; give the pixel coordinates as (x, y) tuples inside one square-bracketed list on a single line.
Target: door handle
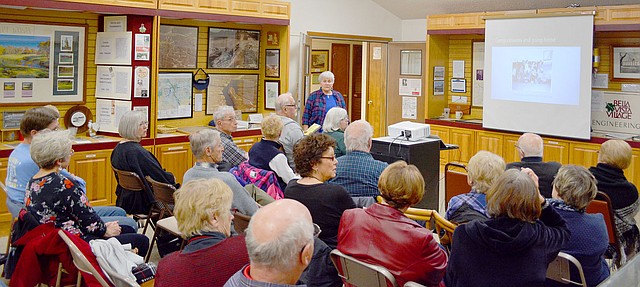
[(370, 103)]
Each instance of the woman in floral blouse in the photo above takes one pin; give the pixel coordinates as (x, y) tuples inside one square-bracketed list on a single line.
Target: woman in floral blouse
[(52, 197)]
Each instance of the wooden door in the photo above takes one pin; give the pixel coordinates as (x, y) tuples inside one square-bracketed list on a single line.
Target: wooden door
[(356, 83), (397, 111), (340, 68), (466, 140), (376, 96), (95, 168)]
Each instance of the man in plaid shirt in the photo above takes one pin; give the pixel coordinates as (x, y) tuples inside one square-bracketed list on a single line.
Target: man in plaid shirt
[(321, 101), (226, 123)]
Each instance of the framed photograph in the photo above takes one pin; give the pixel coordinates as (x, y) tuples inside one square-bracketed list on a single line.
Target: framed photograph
[(178, 47), (624, 61), (272, 63), (315, 78), (66, 71), (233, 49), (65, 58), (271, 92), (272, 38), (175, 99), (64, 85), (319, 61), (238, 91), (66, 43), (411, 62)]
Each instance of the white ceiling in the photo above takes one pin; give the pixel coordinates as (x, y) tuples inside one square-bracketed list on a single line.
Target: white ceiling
[(419, 9)]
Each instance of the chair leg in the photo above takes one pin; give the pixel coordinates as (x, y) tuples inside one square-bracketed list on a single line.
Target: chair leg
[(153, 241)]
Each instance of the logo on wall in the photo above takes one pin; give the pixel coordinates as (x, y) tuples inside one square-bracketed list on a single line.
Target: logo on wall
[(619, 109)]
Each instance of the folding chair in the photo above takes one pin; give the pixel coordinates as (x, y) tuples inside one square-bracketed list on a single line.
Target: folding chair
[(419, 214), (455, 181), (602, 204), (169, 224), (559, 270), (82, 263), (444, 228), (131, 181), (118, 279), (163, 192), (360, 274)]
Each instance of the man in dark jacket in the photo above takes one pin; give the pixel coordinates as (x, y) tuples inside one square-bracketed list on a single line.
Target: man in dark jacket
[(530, 147)]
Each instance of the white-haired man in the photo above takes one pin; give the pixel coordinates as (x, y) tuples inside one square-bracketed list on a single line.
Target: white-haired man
[(358, 172), (225, 120), (530, 147), (280, 246), (287, 109)]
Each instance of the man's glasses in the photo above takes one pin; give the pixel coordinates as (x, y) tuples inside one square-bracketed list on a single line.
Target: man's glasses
[(316, 230), (292, 106)]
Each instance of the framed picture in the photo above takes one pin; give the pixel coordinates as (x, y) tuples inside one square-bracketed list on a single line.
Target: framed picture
[(178, 47), (411, 62), (315, 78), (272, 63), (175, 99), (271, 92), (624, 61), (233, 49), (238, 91), (319, 61), (272, 38)]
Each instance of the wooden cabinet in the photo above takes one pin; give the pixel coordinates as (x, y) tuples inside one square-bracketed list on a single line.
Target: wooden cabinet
[(455, 21), (443, 134), (633, 171), (584, 154), (175, 158), (95, 168), (490, 141), (556, 150), (510, 152), (255, 8), (466, 140), (246, 143), (150, 4), (4, 212)]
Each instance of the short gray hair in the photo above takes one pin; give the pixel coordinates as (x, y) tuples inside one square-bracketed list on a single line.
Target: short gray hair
[(531, 144), (326, 75), (284, 100), (281, 251), (130, 123), (48, 146), (575, 185), (202, 139), (332, 119), (357, 136), (222, 111)]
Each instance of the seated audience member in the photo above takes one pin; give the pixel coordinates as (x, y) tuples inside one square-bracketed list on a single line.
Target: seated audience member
[(280, 245), (207, 149), (316, 163), (335, 122), (615, 156), (358, 172), (483, 169), (513, 247), (530, 148), (226, 123), (129, 155), (210, 257), (573, 189), (22, 168), (287, 109), (267, 154), (401, 245), (52, 197)]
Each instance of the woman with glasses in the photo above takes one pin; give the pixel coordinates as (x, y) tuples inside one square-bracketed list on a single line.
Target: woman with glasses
[(401, 245), (334, 125), (210, 256), (316, 163), (129, 155), (53, 197)]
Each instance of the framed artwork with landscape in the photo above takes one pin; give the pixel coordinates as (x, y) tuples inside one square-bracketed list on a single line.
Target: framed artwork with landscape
[(233, 49), (178, 47), (319, 61), (625, 63)]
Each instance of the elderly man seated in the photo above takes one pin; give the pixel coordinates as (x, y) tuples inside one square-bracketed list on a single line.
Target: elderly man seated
[(358, 172), (530, 147), (287, 109), (226, 123)]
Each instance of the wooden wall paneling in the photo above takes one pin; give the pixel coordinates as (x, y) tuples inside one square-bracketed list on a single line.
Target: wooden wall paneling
[(604, 41), (556, 150), (5, 216), (489, 141), (510, 152), (437, 55), (633, 172), (584, 154)]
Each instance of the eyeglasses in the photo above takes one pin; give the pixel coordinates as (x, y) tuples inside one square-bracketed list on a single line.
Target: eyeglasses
[(329, 157), (229, 119), (316, 230), (145, 123), (517, 146), (293, 106)]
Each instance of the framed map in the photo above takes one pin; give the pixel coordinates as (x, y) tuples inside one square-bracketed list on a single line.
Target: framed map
[(178, 47), (238, 91), (175, 98), (233, 49)]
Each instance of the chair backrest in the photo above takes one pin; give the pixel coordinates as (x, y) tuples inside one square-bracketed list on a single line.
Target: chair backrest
[(455, 181), (163, 193), (419, 214), (444, 228), (602, 205), (360, 274), (80, 261), (128, 180), (559, 270), (240, 222), (118, 279)]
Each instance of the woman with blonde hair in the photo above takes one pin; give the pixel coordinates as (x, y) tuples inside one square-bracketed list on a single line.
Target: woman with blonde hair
[(613, 158), (399, 244), (334, 125), (513, 247), (204, 218), (268, 154)]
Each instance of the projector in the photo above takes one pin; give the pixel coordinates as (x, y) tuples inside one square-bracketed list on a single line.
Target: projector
[(409, 130)]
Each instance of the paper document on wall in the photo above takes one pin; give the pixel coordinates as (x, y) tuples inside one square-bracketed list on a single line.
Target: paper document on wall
[(409, 107), (597, 101), (410, 87), (600, 81), (113, 82), (113, 48), (109, 112)]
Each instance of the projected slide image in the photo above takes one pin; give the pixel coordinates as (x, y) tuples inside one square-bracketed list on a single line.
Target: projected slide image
[(532, 75)]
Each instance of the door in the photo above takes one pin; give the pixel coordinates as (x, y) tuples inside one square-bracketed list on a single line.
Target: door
[(356, 83), (304, 83), (340, 68), (402, 106), (376, 83)]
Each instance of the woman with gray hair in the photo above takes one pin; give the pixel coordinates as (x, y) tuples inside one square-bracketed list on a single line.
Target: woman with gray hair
[(129, 155), (321, 101), (52, 197), (334, 125)]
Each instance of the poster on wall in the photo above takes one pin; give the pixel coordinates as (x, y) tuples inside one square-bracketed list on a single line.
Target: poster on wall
[(113, 48), (238, 91), (41, 63), (175, 95), (178, 47), (613, 113), (141, 82), (477, 66), (233, 49), (108, 114), (113, 82)]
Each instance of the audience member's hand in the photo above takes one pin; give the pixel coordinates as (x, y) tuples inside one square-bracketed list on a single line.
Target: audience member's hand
[(113, 229), (534, 177)]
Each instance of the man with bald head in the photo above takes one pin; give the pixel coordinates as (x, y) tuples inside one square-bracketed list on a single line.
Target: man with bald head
[(358, 172), (530, 147), (287, 109), (280, 246)]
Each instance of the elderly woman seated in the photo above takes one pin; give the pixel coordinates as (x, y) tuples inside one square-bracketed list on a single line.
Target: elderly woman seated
[(513, 247), (335, 122), (573, 189), (210, 256), (268, 154), (401, 245), (483, 169), (52, 197)]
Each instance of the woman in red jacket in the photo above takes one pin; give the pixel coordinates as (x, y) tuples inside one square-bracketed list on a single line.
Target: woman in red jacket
[(383, 235)]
